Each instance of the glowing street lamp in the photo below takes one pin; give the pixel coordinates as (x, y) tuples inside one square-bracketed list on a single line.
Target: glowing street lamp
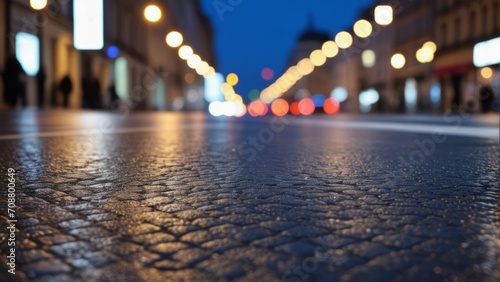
[(343, 39), (363, 28), (38, 4), (384, 15), (152, 13), (398, 61), (174, 39)]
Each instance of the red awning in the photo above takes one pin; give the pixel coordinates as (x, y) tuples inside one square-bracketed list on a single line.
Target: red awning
[(461, 68)]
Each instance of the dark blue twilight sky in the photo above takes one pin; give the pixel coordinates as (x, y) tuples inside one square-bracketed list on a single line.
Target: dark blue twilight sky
[(263, 33)]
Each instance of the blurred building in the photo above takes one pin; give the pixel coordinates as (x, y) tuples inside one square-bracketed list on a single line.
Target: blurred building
[(318, 82), (364, 78), (135, 65), (459, 27)]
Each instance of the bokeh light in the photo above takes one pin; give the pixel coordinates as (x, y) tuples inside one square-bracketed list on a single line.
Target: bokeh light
[(232, 79), (257, 108), (431, 45), (319, 100), (267, 74), (202, 68), (344, 40), (185, 52), (363, 28), (113, 52), (331, 106), (152, 13), (318, 58), (254, 95), (241, 110), (210, 73), (487, 73), (280, 107), (194, 61), (38, 4), (216, 109), (368, 58), (425, 55), (174, 39), (294, 108), (340, 94), (330, 49), (384, 14), (398, 61), (306, 106), (305, 66)]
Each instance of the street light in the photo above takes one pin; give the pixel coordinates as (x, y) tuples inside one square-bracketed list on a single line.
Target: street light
[(363, 28), (343, 39), (384, 15), (38, 4), (152, 13), (174, 39), (398, 61)]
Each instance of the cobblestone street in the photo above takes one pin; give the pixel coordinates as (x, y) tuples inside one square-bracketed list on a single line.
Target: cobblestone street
[(178, 197)]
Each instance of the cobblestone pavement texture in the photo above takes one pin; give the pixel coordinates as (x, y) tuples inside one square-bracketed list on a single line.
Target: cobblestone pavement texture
[(184, 204)]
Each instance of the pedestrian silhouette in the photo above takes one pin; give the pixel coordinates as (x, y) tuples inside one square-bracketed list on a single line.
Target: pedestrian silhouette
[(66, 86), (487, 99), (113, 97), (14, 82), (91, 92), (40, 78)]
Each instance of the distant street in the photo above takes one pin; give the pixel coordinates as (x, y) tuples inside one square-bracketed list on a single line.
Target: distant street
[(189, 197)]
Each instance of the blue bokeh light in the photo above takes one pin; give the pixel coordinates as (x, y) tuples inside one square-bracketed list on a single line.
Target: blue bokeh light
[(113, 52)]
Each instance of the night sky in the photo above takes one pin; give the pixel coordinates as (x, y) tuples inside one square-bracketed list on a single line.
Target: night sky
[(263, 33)]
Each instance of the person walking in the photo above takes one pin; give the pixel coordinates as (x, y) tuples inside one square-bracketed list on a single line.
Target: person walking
[(66, 86)]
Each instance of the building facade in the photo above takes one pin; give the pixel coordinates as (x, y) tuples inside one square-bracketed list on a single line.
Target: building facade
[(448, 81), (135, 69)]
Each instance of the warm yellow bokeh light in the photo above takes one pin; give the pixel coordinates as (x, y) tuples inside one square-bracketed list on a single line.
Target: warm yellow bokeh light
[(344, 39), (487, 73), (398, 61), (330, 49), (368, 58), (232, 79), (203, 68), (305, 66), (194, 61), (384, 15), (425, 55), (152, 13), (38, 4), (185, 52), (363, 28), (174, 39), (431, 45), (318, 58), (210, 73), (227, 89)]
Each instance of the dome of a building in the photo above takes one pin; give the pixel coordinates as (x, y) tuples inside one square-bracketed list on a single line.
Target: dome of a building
[(313, 34)]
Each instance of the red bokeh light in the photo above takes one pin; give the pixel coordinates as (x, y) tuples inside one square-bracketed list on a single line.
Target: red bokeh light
[(306, 106), (280, 107), (257, 108), (267, 74), (294, 108), (331, 106)]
